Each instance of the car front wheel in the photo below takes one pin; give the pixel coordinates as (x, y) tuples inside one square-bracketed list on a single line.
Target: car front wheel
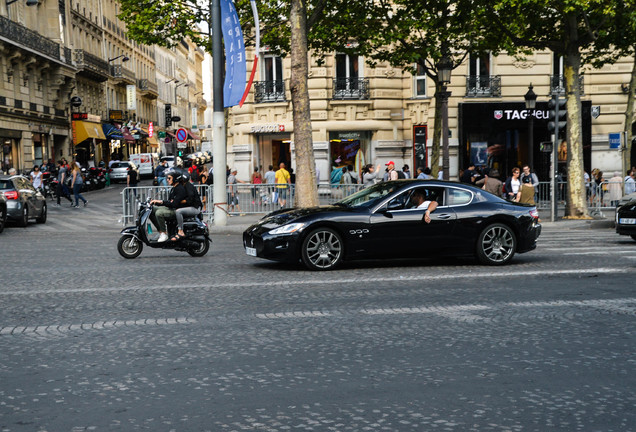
[(24, 219), (496, 244), (322, 249), (42, 218)]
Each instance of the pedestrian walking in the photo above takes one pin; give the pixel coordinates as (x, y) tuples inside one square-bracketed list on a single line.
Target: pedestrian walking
[(283, 179), (76, 185), (62, 190)]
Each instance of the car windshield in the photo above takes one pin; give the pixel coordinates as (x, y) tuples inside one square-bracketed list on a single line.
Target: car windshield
[(370, 196)]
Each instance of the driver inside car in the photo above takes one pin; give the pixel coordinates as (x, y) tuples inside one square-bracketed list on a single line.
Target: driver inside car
[(419, 201)]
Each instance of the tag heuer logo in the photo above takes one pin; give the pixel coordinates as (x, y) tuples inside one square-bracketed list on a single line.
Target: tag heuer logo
[(498, 114)]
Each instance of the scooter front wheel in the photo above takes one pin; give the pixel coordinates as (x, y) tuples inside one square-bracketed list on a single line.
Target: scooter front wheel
[(129, 247)]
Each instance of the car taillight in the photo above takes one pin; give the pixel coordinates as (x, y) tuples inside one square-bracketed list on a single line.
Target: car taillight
[(534, 213), (12, 195)]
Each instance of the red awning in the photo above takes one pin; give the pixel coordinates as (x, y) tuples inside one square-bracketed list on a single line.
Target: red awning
[(192, 135), (127, 136), (171, 134)]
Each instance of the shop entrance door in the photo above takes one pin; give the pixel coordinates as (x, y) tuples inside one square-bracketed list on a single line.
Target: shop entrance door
[(281, 153)]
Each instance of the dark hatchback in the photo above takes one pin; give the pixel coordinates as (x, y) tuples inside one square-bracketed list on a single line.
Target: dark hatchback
[(24, 202), (3, 212), (382, 222), (626, 219)]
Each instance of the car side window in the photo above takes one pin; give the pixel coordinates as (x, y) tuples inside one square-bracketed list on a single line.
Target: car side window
[(458, 197)]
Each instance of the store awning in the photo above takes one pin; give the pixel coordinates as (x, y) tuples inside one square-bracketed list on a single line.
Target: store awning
[(83, 130), (193, 136), (127, 136), (152, 140), (112, 132)]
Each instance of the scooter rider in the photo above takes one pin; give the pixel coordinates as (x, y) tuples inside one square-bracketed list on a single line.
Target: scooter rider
[(193, 207), (165, 209)]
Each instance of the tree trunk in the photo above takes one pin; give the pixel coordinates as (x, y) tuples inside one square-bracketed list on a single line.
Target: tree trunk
[(577, 199), (629, 119), (306, 190), (437, 133)]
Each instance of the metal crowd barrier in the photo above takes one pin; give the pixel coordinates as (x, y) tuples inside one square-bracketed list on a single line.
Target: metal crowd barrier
[(252, 198)]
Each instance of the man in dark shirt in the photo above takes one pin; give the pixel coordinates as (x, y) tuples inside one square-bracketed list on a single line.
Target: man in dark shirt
[(469, 175)]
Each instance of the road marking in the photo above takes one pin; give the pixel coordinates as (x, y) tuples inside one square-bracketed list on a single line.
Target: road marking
[(43, 330), (370, 279), (466, 312)]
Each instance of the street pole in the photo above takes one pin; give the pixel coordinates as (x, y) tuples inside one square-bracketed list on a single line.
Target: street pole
[(219, 145), (445, 151), (555, 160), (531, 140)]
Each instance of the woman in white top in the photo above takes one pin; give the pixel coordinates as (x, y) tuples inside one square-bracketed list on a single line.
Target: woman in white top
[(36, 177), (513, 185)]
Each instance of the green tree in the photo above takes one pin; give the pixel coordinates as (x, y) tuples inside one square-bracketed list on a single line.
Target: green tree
[(583, 32)]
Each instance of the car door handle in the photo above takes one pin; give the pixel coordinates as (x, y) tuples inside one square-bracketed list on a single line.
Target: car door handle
[(444, 216)]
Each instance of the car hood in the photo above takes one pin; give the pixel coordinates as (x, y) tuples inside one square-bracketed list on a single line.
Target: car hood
[(285, 216)]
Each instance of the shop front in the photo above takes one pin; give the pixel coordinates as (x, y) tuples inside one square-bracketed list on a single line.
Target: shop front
[(87, 136), (349, 149), (496, 136), (273, 146), (10, 149)]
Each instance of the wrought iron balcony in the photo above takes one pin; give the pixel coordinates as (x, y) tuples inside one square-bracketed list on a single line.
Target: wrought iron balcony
[(483, 86), (148, 88), (557, 84), (269, 91), (350, 88), (90, 65), (122, 75), (22, 36)]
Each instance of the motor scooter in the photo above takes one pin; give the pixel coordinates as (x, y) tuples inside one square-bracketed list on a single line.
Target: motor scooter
[(196, 241)]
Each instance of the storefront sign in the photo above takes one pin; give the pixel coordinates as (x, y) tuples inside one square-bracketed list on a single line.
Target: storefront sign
[(519, 114), (115, 115), (131, 97), (151, 129), (348, 135), (79, 116), (271, 128)]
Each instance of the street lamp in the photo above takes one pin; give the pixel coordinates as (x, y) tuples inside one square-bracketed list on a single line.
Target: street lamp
[(531, 103), (444, 69), (124, 59)]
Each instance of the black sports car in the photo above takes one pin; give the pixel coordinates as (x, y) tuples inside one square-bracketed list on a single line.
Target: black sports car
[(626, 219), (382, 221)]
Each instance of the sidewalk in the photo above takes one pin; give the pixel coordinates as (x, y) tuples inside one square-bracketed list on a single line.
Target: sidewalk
[(237, 224)]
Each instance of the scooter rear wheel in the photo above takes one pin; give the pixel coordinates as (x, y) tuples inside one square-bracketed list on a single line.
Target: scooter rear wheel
[(129, 247), (201, 250)]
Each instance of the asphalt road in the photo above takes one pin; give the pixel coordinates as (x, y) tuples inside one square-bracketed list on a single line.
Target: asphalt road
[(167, 342)]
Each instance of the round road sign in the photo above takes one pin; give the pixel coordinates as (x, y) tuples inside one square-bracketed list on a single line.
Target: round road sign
[(182, 135)]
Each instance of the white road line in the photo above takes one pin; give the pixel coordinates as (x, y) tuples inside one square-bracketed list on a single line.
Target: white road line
[(368, 279)]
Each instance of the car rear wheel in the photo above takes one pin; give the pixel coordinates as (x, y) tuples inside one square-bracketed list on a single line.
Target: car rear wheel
[(3, 219), (633, 236), (496, 245), (42, 218), (129, 247), (24, 219), (322, 249)]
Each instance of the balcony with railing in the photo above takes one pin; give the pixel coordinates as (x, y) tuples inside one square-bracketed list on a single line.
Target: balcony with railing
[(19, 35), (269, 91), (148, 88), (122, 75), (90, 65), (483, 86), (350, 88), (557, 84)]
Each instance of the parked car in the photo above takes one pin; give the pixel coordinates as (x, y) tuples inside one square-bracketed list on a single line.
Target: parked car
[(626, 219), (3, 212), (24, 202), (170, 160), (119, 171), (382, 222)]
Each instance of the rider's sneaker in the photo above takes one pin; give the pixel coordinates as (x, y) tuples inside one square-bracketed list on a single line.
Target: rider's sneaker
[(162, 238)]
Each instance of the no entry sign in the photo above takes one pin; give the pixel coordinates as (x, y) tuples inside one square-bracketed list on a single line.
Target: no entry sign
[(182, 135)]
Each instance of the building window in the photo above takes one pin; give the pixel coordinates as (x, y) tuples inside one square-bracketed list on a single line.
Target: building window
[(272, 86), (349, 83), (420, 81), (480, 82)]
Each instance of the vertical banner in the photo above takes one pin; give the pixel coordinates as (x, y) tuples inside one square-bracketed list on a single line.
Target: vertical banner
[(131, 97), (235, 65)]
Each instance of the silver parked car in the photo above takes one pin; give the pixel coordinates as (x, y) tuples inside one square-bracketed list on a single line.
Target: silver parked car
[(119, 171), (24, 202)]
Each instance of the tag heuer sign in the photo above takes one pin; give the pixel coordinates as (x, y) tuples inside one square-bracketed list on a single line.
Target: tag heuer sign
[(498, 114), (76, 101)]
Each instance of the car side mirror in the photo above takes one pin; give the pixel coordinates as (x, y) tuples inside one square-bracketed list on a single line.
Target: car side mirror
[(384, 211)]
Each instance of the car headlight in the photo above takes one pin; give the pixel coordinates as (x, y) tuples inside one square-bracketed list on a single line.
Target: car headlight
[(287, 229)]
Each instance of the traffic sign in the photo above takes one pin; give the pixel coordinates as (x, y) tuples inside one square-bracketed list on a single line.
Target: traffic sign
[(182, 135)]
